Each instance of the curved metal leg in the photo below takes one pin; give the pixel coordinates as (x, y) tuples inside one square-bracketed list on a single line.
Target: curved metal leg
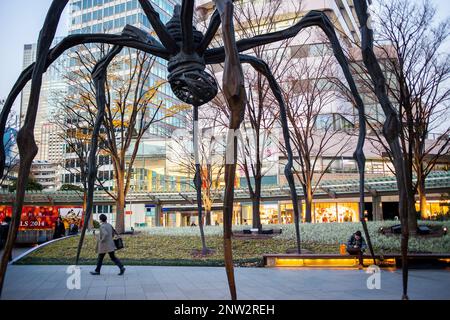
[(99, 75), (160, 29), (320, 19), (234, 91), (390, 128), (25, 138)]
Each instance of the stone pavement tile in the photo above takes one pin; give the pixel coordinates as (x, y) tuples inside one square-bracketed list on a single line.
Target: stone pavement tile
[(95, 297), (14, 294), (155, 296), (99, 284), (210, 294), (173, 292), (38, 294), (115, 289), (115, 293), (136, 296), (154, 287), (52, 284), (57, 294), (44, 282), (97, 291), (76, 294), (135, 293)]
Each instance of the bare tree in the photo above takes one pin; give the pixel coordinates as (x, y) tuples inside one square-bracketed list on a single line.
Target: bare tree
[(211, 160), (76, 132), (254, 18), (131, 108), (317, 122)]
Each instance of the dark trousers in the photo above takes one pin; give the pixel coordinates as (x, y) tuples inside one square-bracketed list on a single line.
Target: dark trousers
[(113, 259), (356, 252)]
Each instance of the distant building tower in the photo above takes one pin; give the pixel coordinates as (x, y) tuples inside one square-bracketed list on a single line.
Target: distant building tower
[(53, 86), (107, 16)]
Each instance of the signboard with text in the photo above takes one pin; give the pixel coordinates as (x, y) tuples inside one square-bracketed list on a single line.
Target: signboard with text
[(43, 217)]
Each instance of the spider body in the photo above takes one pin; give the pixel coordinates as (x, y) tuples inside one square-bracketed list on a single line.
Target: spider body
[(187, 76)]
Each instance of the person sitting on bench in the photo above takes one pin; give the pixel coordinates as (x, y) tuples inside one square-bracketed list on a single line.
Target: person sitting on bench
[(356, 246)]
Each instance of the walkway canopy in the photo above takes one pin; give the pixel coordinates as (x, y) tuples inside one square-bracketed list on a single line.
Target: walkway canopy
[(436, 182)]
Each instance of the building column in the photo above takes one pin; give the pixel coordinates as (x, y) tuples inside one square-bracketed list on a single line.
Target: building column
[(158, 215), (377, 208), (279, 213), (241, 219)]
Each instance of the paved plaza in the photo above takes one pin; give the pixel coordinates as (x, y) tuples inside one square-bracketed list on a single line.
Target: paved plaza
[(203, 283)]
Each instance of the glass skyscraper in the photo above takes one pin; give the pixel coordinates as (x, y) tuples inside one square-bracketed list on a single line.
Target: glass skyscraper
[(111, 16), (53, 85)]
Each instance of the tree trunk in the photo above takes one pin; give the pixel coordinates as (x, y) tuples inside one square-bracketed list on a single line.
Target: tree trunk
[(412, 213), (91, 220), (256, 223), (120, 205), (120, 215), (422, 197), (256, 203), (208, 217), (308, 203)]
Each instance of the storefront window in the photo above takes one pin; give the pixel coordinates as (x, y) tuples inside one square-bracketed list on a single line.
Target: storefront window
[(269, 213), (247, 214), (287, 213), (324, 212), (348, 212), (150, 216), (436, 209)]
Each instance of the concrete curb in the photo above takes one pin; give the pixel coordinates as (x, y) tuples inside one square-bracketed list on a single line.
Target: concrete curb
[(23, 255)]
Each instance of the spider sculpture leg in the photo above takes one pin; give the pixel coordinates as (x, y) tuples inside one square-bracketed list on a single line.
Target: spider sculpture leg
[(160, 29), (198, 180), (390, 128), (51, 23), (25, 138), (262, 67), (187, 12), (99, 75), (321, 20), (234, 91), (213, 26), (6, 110)]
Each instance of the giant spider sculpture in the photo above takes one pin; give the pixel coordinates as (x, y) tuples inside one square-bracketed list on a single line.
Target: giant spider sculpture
[(187, 53)]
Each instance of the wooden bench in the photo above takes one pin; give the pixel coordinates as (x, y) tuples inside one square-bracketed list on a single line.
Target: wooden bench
[(338, 260)]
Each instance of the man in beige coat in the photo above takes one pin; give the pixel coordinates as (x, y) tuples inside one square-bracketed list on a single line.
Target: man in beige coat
[(105, 245)]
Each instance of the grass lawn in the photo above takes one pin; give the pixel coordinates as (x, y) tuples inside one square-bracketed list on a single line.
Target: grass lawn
[(173, 246)]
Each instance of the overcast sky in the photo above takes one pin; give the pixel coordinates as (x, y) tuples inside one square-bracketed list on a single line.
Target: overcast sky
[(21, 20)]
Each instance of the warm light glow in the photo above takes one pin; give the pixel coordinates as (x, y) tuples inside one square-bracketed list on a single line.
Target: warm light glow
[(343, 262)]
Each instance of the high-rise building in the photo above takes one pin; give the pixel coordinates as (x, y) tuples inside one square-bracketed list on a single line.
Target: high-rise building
[(111, 16), (53, 85)]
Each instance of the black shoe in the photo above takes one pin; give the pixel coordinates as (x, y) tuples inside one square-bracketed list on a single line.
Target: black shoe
[(95, 273), (122, 271)]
